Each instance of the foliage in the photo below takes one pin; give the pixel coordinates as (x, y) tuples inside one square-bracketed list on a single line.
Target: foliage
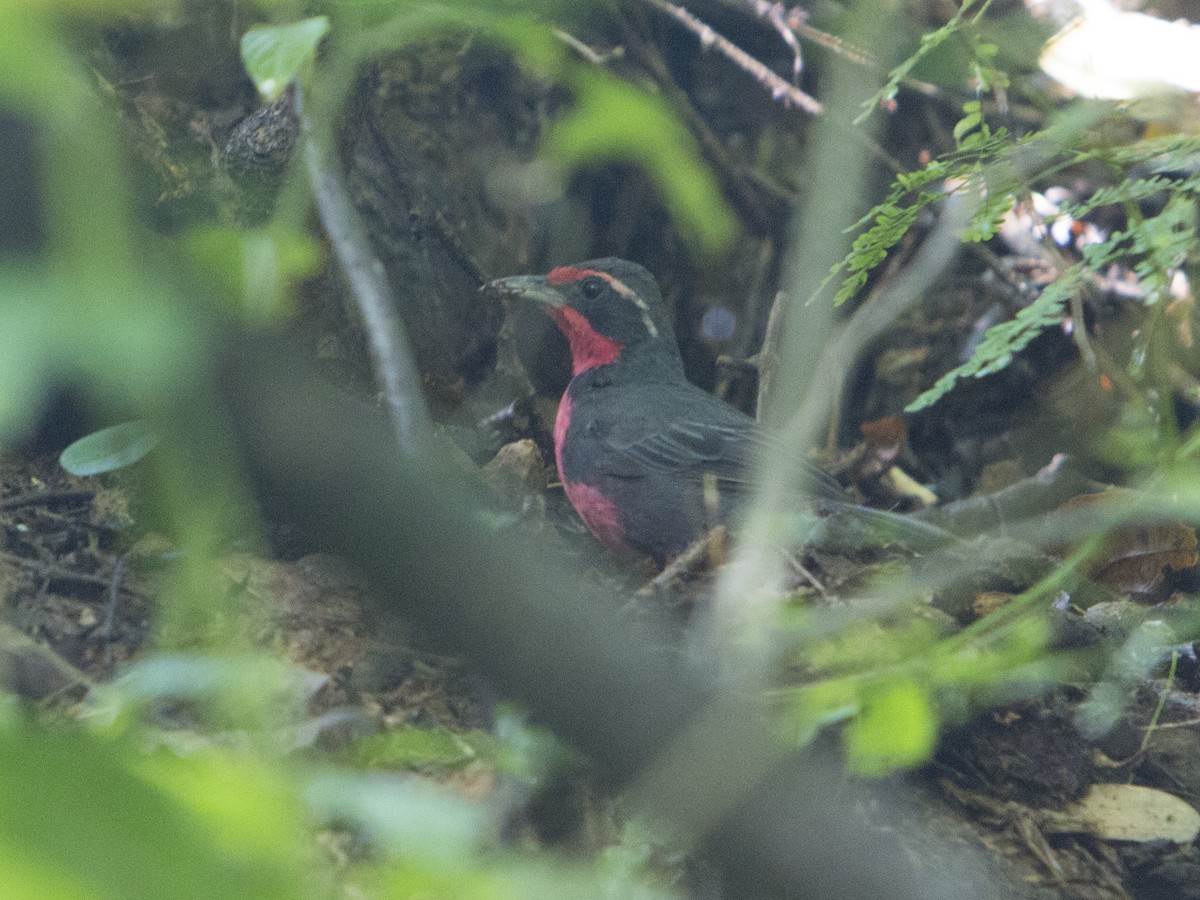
[(109, 449), (126, 317), (895, 682), (275, 56), (87, 817), (610, 121), (89, 813), (992, 168), (611, 118), (930, 42)]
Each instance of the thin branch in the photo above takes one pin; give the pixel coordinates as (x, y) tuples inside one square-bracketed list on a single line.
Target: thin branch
[(792, 22), (595, 57), (780, 88), (391, 354), (45, 498)]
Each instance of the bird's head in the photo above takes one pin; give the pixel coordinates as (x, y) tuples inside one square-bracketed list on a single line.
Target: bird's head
[(604, 307)]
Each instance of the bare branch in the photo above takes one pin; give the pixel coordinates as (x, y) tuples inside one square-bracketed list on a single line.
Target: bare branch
[(395, 370), (780, 88)]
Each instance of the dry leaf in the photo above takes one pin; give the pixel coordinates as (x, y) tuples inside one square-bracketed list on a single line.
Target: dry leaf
[(1136, 558), (1127, 812)]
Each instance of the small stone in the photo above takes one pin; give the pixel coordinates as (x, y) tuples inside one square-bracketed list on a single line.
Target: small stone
[(517, 472)]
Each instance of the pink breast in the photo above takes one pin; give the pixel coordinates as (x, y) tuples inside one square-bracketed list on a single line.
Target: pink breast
[(599, 513)]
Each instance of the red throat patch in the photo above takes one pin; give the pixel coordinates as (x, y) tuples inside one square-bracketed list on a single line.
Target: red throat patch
[(589, 348)]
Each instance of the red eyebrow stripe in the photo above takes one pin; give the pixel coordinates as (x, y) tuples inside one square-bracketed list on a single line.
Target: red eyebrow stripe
[(567, 274)]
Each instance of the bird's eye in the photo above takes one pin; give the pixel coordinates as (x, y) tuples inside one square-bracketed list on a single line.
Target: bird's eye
[(591, 288)]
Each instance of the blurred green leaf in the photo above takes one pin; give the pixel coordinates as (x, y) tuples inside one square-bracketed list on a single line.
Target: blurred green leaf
[(109, 449), (434, 840), (122, 336), (898, 727), (258, 267), (275, 55), (512, 879), (248, 690), (813, 707), (418, 748), (400, 815), (869, 643), (1149, 646), (28, 53), (168, 675), (92, 7), (82, 818), (1135, 441), (613, 120)]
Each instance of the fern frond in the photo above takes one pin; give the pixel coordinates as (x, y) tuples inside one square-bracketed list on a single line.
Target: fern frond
[(1004, 340)]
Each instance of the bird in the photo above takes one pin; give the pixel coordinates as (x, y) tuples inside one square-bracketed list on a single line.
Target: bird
[(649, 460)]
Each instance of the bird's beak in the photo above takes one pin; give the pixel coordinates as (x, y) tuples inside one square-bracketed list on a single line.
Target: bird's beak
[(526, 287)]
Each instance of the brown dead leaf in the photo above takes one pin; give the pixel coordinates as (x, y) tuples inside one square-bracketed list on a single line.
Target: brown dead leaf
[(1137, 558), (889, 432)]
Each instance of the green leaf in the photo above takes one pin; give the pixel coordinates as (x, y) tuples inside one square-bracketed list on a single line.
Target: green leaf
[(1003, 341), (930, 41), (972, 118), (898, 727), (275, 55), (812, 707), (257, 269), (109, 449), (84, 819), (420, 748), (410, 817), (613, 120)]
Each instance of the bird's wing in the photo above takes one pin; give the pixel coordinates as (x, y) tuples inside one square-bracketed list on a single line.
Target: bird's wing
[(725, 444), (695, 449)]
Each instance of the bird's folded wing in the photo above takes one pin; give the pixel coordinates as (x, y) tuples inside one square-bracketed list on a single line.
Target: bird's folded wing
[(726, 450)]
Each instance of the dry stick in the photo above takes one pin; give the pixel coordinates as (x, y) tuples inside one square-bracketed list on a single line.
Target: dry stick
[(54, 572), (44, 498), (780, 88), (768, 354), (791, 23), (595, 57), (390, 351)]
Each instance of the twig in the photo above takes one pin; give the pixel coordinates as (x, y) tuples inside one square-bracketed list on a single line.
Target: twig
[(390, 351), (44, 498), (1162, 701), (792, 23), (110, 608), (52, 572), (706, 552), (780, 88), (774, 14), (595, 57), (768, 354)]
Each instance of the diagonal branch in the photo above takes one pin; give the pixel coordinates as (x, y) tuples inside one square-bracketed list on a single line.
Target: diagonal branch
[(780, 88), (391, 355)]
